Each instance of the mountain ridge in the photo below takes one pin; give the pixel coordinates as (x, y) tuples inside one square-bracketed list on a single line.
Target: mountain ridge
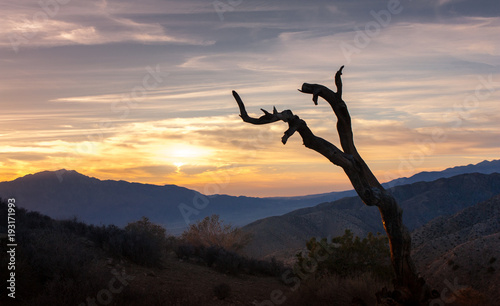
[(485, 167), (67, 193)]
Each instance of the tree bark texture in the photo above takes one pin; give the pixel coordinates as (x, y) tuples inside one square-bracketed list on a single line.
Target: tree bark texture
[(371, 192)]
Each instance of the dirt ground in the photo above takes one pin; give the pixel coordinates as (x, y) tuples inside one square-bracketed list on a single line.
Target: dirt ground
[(185, 283)]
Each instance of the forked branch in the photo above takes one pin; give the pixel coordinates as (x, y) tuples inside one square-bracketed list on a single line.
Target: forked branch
[(295, 124), (364, 182)]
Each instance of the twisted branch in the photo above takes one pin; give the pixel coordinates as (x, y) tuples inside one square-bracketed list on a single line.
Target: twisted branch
[(364, 182)]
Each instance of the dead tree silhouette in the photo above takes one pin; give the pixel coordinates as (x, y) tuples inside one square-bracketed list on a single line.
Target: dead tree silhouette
[(409, 288)]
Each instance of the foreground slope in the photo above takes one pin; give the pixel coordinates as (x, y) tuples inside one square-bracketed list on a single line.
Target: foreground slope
[(463, 248)]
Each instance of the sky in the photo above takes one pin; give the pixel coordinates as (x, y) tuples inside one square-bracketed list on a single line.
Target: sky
[(141, 90)]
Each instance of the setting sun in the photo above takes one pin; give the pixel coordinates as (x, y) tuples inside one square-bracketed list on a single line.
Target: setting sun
[(181, 154)]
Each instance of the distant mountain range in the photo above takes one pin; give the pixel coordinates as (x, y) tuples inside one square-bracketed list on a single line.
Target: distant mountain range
[(485, 167), (66, 194), (283, 236)]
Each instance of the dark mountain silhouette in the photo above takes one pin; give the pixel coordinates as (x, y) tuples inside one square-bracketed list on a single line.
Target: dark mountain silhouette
[(421, 202), (485, 167), (65, 194)]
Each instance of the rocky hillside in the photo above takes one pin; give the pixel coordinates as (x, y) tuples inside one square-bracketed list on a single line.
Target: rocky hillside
[(465, 247)]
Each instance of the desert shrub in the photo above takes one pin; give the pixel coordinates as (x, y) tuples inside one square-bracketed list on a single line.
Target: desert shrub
[(222, 291), (146, 227), (186, 251), (229, 262), (55, 255), (211, 255), (347, 256), (145, 242), (109, 238), (212, 232), (142, 241)]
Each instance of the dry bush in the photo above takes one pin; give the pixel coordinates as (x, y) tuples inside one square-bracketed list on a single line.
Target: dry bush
[(145, 242), (212, 232)]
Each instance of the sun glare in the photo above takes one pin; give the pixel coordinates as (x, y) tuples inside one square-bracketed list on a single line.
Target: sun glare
[(182, 154)]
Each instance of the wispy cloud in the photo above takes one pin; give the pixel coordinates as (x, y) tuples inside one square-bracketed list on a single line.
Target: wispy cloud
[(92, 23)]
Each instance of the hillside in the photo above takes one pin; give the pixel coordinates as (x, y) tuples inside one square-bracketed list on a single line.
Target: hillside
[(421, 202), (444, 233), (71, 263), (465, 245)]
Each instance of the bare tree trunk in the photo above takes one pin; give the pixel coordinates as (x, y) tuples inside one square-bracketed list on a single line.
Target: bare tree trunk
[(407, 284)]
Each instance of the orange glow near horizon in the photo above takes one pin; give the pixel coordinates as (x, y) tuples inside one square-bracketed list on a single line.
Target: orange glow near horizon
[(255, 167)]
